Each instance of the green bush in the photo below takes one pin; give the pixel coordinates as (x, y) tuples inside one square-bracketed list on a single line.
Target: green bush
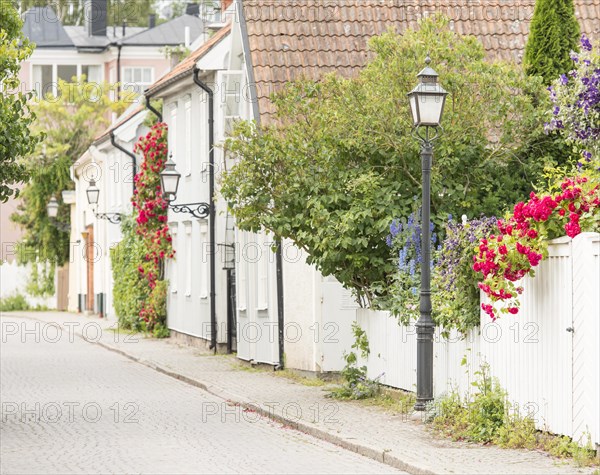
[(130, 290), (13, 302), (157, 301), (356, 383)]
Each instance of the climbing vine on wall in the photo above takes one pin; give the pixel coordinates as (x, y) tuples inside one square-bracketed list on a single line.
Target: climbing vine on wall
[(151, 225)]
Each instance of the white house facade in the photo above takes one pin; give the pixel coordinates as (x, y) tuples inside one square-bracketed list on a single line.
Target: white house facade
[(110, 165)]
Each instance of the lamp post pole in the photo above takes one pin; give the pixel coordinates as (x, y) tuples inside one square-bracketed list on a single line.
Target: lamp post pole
[(427, 105), (425, 325)]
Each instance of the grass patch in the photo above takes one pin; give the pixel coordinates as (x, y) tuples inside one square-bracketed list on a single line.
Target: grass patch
[(119, 330), (486, 417), (397, 402), (248, 368), (17, 302), (298, 378)]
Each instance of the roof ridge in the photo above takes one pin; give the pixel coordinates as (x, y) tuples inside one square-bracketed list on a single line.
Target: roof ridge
[(159, 26)]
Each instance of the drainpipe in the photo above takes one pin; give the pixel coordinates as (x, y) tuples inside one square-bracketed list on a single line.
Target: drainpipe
[(280, 313), (119, 47), (152, 109), (114, 143), (211, 216)]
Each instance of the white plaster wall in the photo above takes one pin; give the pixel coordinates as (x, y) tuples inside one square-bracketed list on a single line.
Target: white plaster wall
[(13, 280), (318, 315), (188, 305)]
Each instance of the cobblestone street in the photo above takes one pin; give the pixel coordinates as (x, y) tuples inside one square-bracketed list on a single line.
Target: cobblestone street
[(74, 407)]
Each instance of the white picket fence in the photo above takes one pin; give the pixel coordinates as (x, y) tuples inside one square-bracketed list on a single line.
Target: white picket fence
[(550, 372)]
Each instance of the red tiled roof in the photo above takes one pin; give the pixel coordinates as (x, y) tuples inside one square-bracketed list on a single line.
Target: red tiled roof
[(187, 65), (292, 38)]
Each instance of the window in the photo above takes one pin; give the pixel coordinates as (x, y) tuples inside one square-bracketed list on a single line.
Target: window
[(42, 80), (204, 260), (46, 76), (231, 100), (241, 275), (172, 131), (115, 178), (92, 72), (188, 135), (137, 79), (66, 72), (172, 263), (188, 258), (262, 298)]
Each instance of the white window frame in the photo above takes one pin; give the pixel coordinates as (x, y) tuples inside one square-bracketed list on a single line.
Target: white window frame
[(173, 229), (204, 260), (187, 108), (188, 258), (55, 66), (172, 132), (242, 293), (262, 275), (133, 68), (223, 80)]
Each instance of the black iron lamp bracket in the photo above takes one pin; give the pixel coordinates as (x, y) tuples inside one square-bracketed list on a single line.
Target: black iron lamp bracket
[(198, 210), (427, 134), (114, 218)]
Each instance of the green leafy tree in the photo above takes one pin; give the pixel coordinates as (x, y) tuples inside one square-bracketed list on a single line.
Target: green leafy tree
[(553, 34), (341, 161), (71, 121), (71, 12), (16, 139)]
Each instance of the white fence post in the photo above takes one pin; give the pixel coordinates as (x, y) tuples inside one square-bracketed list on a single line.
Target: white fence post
[(586, 337)]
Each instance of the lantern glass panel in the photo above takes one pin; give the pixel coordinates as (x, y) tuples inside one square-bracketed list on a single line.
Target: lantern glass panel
[(169, 183), (430, 108), (93, 194), (413, 108), (52, 208)]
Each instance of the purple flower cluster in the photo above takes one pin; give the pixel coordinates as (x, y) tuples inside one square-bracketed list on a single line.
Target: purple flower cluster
[(578, 116), (456, 255), (406, 238), (586, 45)]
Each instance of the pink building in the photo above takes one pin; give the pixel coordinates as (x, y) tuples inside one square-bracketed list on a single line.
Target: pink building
[(132, 56)]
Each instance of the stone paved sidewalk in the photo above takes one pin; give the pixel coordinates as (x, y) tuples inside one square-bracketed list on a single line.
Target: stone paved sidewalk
[(399, 441)]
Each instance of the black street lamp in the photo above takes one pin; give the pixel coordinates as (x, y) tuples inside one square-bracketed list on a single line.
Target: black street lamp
[(169, 182), (52, 210), (427, 105), (93, 194)]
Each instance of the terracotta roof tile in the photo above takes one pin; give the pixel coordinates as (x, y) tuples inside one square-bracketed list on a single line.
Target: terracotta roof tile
[(187, 65), (289, 39)]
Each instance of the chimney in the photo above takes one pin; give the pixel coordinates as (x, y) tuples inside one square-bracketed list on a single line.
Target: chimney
[(151, 20), (95, 13), (192, 9)]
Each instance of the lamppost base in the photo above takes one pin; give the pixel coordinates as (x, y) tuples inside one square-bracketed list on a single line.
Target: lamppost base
[(421, 404)]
